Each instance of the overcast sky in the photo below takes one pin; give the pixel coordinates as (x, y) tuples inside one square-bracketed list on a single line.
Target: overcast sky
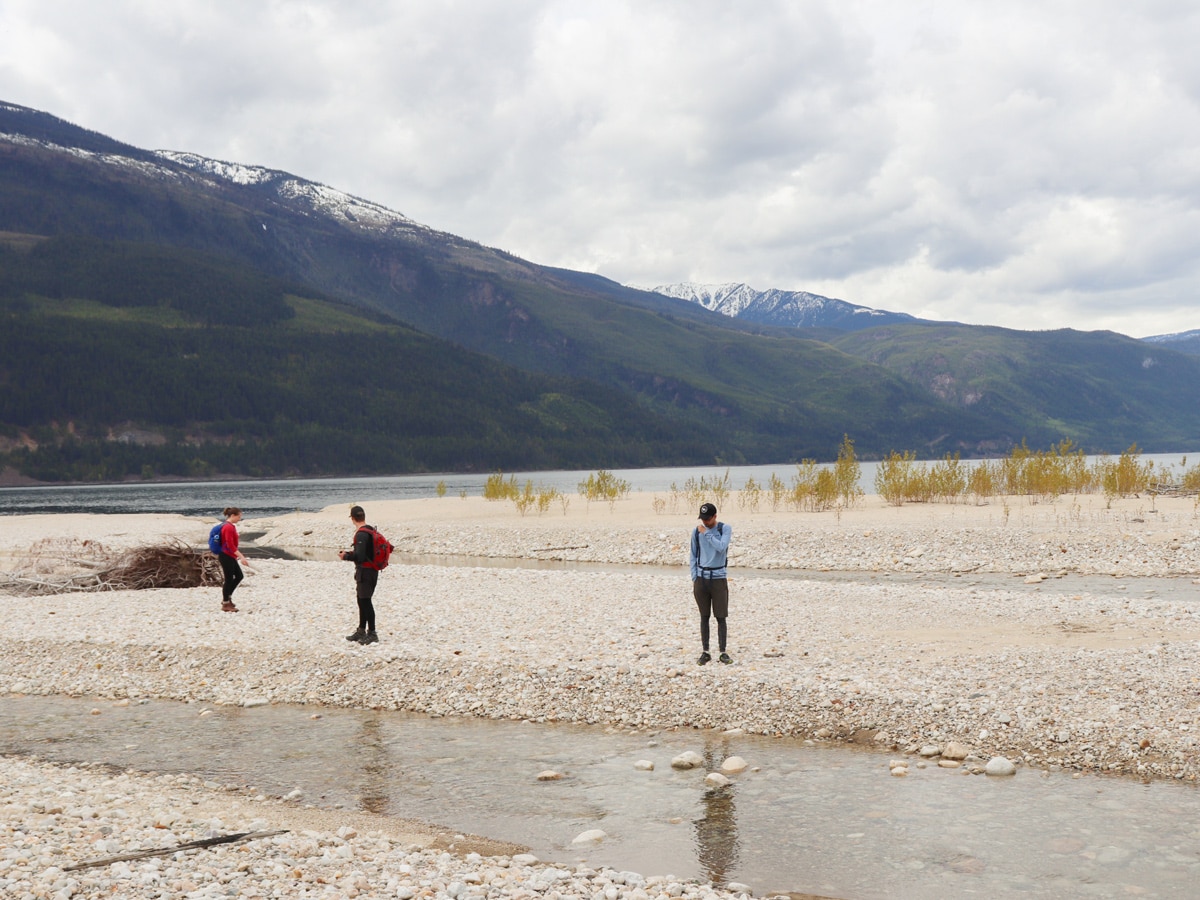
[(1028, 164)]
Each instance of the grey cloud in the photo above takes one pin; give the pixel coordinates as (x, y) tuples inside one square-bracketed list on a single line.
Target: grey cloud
[(1014, 163)]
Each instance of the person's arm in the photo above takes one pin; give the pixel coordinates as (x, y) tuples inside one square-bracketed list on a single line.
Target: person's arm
[(718, 538), (693, 559), (229, 541), (363, 549)]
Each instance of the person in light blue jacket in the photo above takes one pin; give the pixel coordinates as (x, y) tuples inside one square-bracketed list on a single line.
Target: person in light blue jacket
[(707, 557)]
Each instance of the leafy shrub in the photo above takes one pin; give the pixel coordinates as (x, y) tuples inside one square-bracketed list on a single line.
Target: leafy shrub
[(846, 473), (603, 485), (750, 496), (497, 487), (893, 478), (1126, 476)]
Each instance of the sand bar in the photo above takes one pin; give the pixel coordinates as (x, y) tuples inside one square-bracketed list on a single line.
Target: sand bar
[(836, 636)]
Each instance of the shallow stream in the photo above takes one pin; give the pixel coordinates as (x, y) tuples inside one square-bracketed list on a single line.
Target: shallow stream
[(827, 821)]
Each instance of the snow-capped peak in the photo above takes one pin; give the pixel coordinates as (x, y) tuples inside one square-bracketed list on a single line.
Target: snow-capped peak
[(776, 307)]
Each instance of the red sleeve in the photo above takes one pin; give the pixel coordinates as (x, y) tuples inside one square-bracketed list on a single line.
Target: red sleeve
[(229, 539)]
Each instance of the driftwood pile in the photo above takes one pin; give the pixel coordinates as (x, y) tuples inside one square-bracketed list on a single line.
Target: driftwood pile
[(60, 566), (1165, 489)]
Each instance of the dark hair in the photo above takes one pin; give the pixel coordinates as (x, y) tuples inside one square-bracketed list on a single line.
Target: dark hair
[(231, 511), (357, 514)]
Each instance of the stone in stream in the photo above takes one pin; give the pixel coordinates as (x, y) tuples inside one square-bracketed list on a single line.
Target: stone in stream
[(644, 765), (955, 750), (689, 759), (716, 779), (999, 765), (549, 775), (733, 765), (592, 836)]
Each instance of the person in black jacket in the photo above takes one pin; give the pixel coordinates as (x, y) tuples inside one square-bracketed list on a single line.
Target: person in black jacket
[(365, 577)]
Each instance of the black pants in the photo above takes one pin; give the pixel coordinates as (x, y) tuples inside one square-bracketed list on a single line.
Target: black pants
[(365, 581), (712, 599), (233, 575)]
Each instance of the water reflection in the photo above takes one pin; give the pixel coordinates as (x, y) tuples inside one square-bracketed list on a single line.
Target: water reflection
[(716, 829), (373, 787)]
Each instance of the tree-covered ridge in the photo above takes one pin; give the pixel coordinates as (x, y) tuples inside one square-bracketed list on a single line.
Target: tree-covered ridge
[(112, 378), (203, 288)]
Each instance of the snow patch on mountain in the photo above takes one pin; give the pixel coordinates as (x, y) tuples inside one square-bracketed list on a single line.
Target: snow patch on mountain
[(305, 196), (235, 172), (797, 309), (312, 196), (109, 158), (1175, 336)]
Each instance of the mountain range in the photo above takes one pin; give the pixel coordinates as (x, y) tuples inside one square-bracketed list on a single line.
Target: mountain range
[(790, 309), (167, 314)]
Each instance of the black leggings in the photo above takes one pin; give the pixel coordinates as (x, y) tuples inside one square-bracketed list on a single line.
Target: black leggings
[(722, 633), (365, 581), (233, 575)]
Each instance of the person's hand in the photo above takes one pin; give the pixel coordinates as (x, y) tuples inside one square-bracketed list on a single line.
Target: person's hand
[(701, 528)]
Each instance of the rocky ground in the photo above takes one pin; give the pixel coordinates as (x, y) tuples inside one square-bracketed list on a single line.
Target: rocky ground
[(1006, 630)]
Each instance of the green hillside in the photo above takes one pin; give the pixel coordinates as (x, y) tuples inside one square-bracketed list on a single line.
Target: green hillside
[(143, 381), (1103, 390)]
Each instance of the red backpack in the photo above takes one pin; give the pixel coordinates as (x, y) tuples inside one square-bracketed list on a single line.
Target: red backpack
[(382, 550)]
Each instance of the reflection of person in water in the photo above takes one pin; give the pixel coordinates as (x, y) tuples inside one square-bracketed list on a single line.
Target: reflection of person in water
[(374, 786), (716, 830)]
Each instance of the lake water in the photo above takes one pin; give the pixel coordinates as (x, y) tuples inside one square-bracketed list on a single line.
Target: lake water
[(264, 498), (824, 820)]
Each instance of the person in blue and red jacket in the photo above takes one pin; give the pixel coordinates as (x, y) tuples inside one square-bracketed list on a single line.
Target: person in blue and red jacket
[(229, 557)]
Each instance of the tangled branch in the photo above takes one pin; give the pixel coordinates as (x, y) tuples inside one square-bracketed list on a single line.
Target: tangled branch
[(172, 564)]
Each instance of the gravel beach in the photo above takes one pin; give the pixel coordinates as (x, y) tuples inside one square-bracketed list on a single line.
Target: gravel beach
[(1056, 635)]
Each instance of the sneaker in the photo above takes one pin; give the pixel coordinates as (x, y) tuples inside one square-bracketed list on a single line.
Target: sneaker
[(227, 606), (724, 657), (704, 659), (357, 636), (370, 638)]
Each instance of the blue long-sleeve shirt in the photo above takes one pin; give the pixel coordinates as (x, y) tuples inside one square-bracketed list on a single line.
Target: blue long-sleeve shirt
[(707, 553)]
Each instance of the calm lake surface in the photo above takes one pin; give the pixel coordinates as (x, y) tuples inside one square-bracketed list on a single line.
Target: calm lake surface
[(259, 499)]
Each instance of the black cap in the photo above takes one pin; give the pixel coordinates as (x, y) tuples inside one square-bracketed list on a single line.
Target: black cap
[(707, 511)]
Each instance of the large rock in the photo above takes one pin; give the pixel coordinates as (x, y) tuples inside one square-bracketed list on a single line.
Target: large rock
[(999, 765), (687, 760), (733, 765)]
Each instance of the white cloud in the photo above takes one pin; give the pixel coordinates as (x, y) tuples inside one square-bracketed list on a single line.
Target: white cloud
[(1025, 164)]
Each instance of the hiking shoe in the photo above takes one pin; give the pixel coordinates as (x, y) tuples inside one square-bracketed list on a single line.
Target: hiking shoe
[(724, 657), (370, 638), (704, 659), (227, 606), (357, 636)]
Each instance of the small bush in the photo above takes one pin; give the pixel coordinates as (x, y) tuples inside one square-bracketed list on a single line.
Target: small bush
[(1126, 476), (846, 473), (750, 496), (893, 478), (497, 487), (604, 485)]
